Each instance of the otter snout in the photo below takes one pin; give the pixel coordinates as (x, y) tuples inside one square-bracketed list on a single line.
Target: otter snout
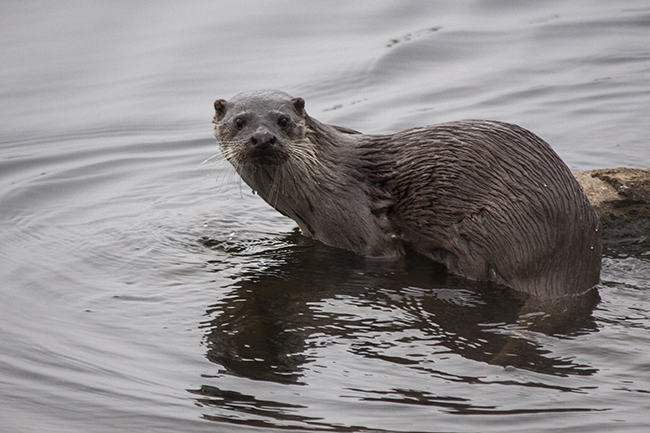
[(264, 148), (263, 139)]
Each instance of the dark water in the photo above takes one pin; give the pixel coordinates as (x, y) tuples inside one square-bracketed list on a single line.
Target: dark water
[(141, 290)]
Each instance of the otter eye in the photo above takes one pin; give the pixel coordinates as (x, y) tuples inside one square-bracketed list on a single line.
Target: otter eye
[(283, 122), (239, 123)]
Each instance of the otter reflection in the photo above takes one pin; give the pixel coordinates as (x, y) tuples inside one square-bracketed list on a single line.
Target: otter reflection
[(278, 314)]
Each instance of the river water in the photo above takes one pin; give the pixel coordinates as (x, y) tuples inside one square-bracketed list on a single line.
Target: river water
[(142, 289)]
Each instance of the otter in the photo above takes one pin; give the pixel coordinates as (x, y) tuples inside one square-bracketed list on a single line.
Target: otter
[(489, 200)]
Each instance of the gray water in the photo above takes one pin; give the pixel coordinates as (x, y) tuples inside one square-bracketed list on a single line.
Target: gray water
[(144, 290)]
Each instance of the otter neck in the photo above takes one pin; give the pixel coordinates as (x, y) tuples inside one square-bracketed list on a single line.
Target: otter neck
[(326, 193)]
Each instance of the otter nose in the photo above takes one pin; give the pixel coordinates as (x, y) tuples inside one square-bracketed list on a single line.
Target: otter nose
[(263, 139)]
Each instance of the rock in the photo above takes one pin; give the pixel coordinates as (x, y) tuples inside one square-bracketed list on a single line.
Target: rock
[(621, 197)]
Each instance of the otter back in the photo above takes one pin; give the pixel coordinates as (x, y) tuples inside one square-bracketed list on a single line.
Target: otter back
[(491, 201)]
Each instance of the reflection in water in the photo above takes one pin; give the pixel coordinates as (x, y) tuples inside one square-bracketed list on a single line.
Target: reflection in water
[(257, 412), (292, 300)]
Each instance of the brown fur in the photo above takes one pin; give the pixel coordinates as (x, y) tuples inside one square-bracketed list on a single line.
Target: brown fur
[(490, 200)]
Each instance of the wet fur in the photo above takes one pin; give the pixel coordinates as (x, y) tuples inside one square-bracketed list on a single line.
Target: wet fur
[(490, 200)]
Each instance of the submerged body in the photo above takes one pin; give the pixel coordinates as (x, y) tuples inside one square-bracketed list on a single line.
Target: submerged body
[(490, 200)]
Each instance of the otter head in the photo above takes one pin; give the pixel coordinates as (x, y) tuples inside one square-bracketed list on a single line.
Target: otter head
[(259, 127)]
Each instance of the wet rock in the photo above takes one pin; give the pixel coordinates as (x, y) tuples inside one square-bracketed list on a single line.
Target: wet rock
[(621, 197)]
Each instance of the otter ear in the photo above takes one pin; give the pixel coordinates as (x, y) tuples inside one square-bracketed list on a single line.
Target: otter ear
[(220, 109), (299, 106)]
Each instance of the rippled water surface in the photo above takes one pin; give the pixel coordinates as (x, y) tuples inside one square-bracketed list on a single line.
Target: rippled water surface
[(144, 290)]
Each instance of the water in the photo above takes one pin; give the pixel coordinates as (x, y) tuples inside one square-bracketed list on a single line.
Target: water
[(143, 290)]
